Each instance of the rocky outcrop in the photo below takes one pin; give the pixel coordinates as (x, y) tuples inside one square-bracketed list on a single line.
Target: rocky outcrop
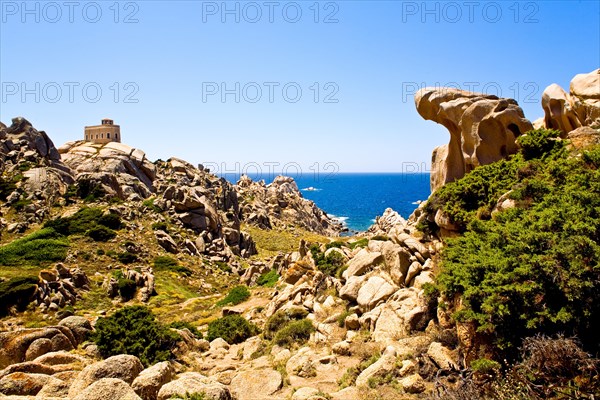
[(32, 170), (120, 170), (123, 367), (483, 129), (568, 111), (281, 204), (60, 287)]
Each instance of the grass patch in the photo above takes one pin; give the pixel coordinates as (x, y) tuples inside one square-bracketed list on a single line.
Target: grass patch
[(166, 263), (270, 242), (39, 248), (268, 279), (16, 292), (237, 295)]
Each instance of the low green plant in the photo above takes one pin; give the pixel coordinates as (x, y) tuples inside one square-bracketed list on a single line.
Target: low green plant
[(329, 264), (126, 257), (16, 292), (236, 295), (223, 266), (294, 332), (39, 248), (160, 226), (127, 288), (231, 328), (134, 330), (268, 279), (166, 263), (281, 318), (485, 366), (149, 203), (101, 233), (188, 326)]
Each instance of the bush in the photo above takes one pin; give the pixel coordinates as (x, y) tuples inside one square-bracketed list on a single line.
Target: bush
[(535, 268), (79, 223), (268, 279), (485, 366), (294, 332), (90, 191), (188, 326), (281, 318), (160, 226), (41, 247), (101, 234), (540, 143), (166, 263), (112, 221), (127, 288), (223, 266), (237, 295), (232, 328), (330, 264), (126, 257), (134, 330), (149, 203), (16, 292)]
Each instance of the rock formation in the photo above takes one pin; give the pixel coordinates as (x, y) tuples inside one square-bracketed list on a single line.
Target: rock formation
[(280, 204), (579, 108), (483, 129)]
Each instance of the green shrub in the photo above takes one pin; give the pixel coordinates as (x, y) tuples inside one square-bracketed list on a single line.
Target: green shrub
[(134, 330), (540, 143), (16, 292), (90, 191), (294, 332), (112, 221), (100, 252), (232, 328), (41, 247), (329, 264), (101, 233), (149, 203), (364, 242), (485, 366), (127, 288), (535, 268), (188, 326), (20, 204), (160, 226), (126, 257), (237, 295), (79, 223), (7, 186), (268, 279), (383, 238), (166, 263), (281, 318), (223, 266)]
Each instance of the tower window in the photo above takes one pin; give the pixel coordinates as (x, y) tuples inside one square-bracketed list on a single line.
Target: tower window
[(108, 135)]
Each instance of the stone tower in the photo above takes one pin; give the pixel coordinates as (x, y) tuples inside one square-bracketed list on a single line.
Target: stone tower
[(104, 133)]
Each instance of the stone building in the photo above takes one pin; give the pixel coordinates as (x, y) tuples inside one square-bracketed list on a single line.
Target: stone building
[(104, 133)]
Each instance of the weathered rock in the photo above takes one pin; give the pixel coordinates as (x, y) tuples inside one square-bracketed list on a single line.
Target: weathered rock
[(14, 344), (305, 393), (399, 316), (149, 381), (108, 389), (24, 384), (350, 290), (379, 368), (166, 241), (483, 129), (584, 137), (375, 291), (80, 327), (363, 261), (442, 356), (413, 384), (255, 384), (194, 383), (123, 367)]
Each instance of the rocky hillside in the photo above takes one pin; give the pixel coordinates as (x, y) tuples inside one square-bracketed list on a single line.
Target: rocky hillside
[(127, 279)]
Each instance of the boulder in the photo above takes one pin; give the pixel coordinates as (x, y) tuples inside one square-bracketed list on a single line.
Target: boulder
[(14, 344), (483, 129), (124, 367), (442, 356), (381, 367), (108, 389), (413, 384), (363, 261), (375, 291), (80, 327), (149, 381), (194, 383), (255, 384), (24, 384)]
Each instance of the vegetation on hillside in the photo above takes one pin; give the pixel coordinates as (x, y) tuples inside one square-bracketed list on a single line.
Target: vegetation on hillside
[(535, 267), (134, 330)]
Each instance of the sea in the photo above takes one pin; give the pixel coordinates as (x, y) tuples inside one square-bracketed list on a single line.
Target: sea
[(355, 199)]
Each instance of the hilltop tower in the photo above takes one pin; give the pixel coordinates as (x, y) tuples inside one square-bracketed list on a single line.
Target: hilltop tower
[(104, 133)]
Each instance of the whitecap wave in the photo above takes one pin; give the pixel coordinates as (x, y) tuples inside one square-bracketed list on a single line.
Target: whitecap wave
[(311, 189)]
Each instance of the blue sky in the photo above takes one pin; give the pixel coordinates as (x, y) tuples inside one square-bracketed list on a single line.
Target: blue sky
[(161, 67)]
